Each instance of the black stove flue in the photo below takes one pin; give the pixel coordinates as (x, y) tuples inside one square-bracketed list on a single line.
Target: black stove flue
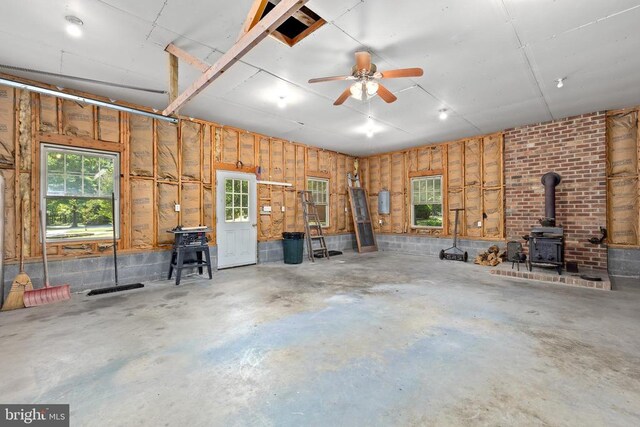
[(550, 180)]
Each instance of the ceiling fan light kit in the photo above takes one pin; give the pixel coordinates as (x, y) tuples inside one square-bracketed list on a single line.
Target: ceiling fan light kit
[(364, 90), (366, 74)]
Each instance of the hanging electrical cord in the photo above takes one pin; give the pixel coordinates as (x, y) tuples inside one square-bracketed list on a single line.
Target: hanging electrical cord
[(82, 79)]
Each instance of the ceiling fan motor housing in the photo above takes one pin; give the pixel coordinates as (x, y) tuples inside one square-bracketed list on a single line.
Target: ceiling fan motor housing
[(358, 73)]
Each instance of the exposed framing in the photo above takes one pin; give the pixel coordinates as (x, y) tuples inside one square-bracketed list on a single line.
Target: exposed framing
[(283, 10), (257, 9), (386, 227)]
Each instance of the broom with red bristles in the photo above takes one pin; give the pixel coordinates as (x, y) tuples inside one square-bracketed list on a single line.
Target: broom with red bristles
[(22, 282), (48, 294)]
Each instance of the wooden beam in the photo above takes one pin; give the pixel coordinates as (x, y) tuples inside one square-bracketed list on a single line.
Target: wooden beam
[(173, 77), (196, 63), (254, 15), (267, 25), (421, 173), (73, 141), (304, 18), (282, 38), (233, 168), (308, 31)]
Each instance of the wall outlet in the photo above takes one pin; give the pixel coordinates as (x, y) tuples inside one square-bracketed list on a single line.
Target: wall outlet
[(283, 209), (266, 209), (380, 221), (479, 223), (346, 209), (176, 207)]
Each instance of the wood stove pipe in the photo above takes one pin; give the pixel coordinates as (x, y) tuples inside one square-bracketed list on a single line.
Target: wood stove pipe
[(550, 180)]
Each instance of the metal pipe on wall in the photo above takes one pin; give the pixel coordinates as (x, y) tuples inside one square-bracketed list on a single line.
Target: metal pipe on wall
[(1, 240), (85, 100)]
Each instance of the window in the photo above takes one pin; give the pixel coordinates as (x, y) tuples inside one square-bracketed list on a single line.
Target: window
[(320, 196), (76, 187), (426, 201), (236, 202)]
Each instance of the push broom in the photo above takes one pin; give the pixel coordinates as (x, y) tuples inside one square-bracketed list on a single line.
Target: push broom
[(21, 283), (48, 294)]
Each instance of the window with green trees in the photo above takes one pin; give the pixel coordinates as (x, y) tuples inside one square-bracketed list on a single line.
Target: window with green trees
[(426, 201), (76, 191)]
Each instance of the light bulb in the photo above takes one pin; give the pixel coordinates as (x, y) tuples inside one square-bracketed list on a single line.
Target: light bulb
[(74, 30), (282, 102), (74, 26), (372, 88), (370, 133), (560, 83), (356, 90), (443, 114)]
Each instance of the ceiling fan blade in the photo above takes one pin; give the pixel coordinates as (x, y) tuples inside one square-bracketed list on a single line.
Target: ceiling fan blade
[(330, 79), (387, 96), (343, 96), (403, 72), (363, 61)]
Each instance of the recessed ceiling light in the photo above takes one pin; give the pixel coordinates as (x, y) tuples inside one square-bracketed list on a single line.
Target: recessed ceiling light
[(370, 127), (560, 82), (74, 25), (370, 122), (282, 102), (443, 114)]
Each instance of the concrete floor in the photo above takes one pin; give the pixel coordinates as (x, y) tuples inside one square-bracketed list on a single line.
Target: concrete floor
[(376, 339)]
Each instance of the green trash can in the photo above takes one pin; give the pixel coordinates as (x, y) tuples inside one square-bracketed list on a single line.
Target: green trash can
[(293, 246)]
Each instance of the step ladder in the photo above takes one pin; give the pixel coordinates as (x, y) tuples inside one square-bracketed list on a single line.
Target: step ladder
[(312, 227)]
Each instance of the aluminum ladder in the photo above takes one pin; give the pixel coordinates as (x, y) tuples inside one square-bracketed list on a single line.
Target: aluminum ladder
[(312, 227)]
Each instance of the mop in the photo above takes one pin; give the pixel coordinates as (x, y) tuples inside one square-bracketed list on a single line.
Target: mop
[(48, 294)]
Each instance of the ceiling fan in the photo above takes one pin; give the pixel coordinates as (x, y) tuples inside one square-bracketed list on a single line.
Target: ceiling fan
[(365, 73)]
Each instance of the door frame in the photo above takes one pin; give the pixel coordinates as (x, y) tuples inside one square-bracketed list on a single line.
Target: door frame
[(220, 176)]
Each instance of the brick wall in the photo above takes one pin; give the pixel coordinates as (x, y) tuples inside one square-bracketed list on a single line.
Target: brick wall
[(575, 149)]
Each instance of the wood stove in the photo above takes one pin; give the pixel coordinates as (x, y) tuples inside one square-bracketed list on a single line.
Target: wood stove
[(546, 247), (546, 243)]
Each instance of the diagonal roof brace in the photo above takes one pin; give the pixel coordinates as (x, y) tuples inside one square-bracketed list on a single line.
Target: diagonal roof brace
[(283, 11), (195, 62)]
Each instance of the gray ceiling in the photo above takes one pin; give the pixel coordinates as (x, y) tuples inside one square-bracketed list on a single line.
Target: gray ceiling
[(492, 63)]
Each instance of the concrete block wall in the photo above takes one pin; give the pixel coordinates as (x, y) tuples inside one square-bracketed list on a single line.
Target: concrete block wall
[(97, 271), (624, 262), (575, 148), (272, 251), (431, 246)]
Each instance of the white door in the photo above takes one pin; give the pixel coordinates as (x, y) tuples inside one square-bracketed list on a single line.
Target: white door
[(236, 212)]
